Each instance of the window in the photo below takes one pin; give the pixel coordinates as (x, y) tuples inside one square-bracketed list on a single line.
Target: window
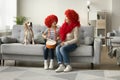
[(8, 10)]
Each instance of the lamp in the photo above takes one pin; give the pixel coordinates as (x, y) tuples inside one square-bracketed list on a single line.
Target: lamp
[(88, 7), (88, 4)]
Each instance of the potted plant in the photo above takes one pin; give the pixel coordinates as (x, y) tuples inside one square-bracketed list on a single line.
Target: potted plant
[(20, 20)]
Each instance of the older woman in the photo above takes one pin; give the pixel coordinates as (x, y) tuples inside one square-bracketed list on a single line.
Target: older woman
[(69, 35)]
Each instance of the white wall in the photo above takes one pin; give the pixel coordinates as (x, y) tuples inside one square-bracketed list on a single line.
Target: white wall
[(8, 10), (37, 10), (115, 14)]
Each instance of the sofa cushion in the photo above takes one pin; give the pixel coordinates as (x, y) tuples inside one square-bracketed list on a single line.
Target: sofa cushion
[(18, 31), (18, 48), (39, 39), (86, 32), (115, 39), (38, 28), (8, 40), (83, 50), (88, 40)]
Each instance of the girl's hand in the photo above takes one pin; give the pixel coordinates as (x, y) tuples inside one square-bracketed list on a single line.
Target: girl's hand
[(44, 36)]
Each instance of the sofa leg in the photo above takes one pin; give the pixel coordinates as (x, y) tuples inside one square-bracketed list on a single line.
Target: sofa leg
[(0, 62), (92, 65), (3, 62), (15, 63)]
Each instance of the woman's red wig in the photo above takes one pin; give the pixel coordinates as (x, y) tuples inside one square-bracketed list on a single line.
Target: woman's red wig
[(50, 19), (72, 15)]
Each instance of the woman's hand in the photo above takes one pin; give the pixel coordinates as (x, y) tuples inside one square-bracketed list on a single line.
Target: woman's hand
[(62, 43)]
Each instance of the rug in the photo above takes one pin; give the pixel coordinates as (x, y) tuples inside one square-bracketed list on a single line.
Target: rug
[(33, 73)]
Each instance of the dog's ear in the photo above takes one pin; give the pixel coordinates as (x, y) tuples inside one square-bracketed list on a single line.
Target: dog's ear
[(30, 24), (25, 24)]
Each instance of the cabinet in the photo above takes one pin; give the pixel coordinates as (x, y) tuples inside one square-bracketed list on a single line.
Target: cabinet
[(98, 20)]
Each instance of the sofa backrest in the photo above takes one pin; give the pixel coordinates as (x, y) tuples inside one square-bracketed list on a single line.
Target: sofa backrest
[(18, 31), (86, 32)]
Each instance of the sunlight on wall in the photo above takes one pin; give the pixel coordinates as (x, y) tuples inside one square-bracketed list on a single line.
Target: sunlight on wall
[(8, 9)]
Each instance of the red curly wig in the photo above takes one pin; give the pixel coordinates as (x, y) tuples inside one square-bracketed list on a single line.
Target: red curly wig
[(67, 28), (72, 15), (50, 19)]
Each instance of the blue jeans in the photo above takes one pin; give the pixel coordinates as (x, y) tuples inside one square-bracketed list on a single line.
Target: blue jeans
[(62, 53)]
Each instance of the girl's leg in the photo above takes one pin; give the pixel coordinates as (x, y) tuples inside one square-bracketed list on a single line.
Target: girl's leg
[(51, 66), (45, 57), (52, 53), (45, 53)]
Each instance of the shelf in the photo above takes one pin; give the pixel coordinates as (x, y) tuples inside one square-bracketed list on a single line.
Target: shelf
[(98, 19), (101, 23), (100, 28)]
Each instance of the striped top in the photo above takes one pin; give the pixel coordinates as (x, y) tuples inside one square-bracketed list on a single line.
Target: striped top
[(51, 33)]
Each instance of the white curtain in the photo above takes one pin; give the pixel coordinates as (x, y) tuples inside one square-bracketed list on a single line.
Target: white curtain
[(8, 10)]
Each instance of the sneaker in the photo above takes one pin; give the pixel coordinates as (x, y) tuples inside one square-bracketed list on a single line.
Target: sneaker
[(60, 68), (51, 66), (68, 68), (45, 64)]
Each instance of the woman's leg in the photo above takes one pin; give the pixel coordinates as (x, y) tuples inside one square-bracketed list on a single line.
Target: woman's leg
[(64, 50), (58, 54)]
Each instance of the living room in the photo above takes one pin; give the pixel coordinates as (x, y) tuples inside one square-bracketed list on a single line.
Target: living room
[(23, 62)]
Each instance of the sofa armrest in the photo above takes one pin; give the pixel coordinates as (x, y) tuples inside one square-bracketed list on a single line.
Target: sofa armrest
[(97, 50)]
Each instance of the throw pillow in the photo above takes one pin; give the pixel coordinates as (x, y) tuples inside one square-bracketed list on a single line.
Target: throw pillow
[(88, 40), (39, 39), (8, 40)]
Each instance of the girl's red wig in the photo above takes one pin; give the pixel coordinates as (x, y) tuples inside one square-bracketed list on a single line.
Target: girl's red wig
[(72, 15), (50, 19)]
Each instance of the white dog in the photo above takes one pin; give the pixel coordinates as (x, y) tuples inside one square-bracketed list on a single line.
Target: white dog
[(28, 33)]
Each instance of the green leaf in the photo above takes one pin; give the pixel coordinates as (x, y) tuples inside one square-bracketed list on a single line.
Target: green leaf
[(20, 20)]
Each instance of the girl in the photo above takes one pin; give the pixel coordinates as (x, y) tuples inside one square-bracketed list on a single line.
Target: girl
[(50, 33)]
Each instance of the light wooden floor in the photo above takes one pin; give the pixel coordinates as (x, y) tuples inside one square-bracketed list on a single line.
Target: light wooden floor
[(106, 63)]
